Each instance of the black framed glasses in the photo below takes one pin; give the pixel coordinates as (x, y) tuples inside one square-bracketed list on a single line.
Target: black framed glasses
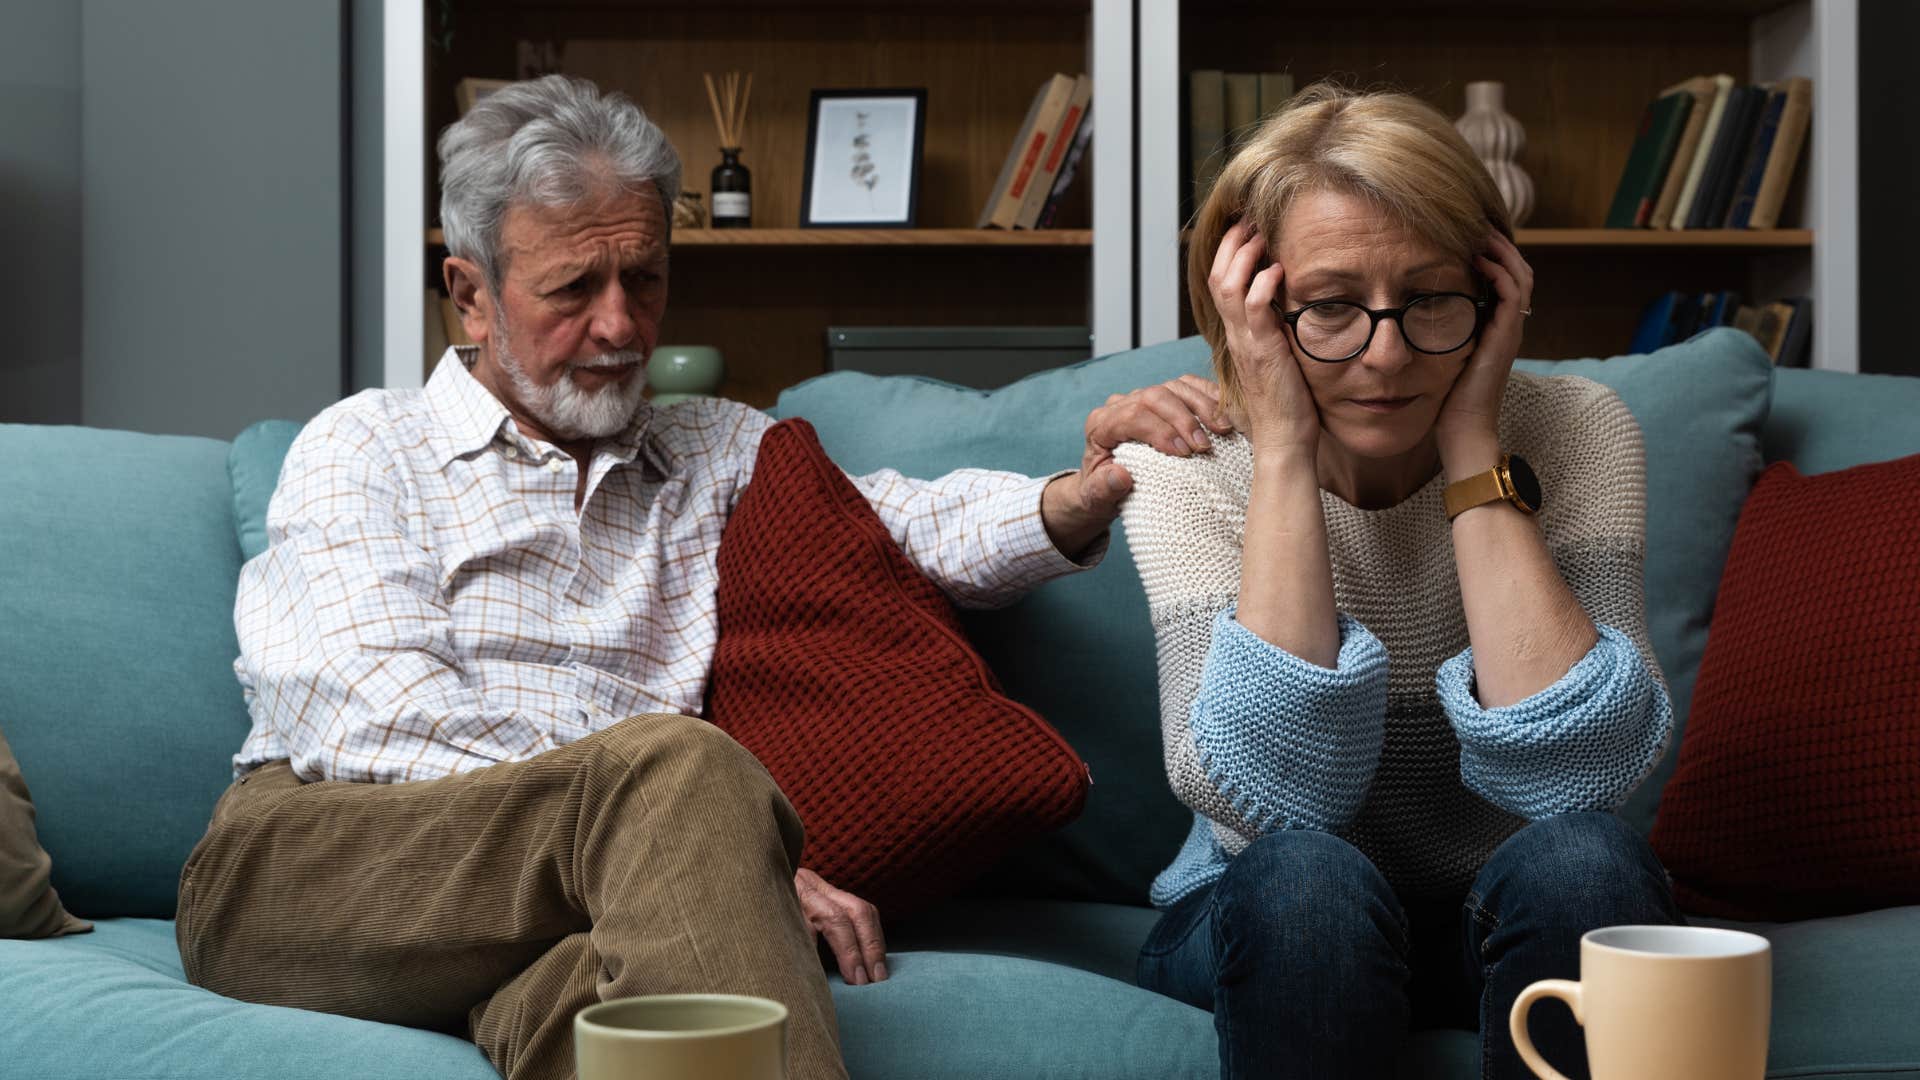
[(1335, 331)]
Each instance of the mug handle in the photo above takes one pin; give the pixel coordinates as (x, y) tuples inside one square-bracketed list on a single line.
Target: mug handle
[(1563, 989)]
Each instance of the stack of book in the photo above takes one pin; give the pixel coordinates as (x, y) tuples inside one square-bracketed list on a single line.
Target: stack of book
[(1044, 158), (1784, 327), (1712, 155), (1223, 108)]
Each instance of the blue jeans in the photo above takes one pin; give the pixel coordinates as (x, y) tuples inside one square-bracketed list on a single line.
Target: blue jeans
[(1314, 968)]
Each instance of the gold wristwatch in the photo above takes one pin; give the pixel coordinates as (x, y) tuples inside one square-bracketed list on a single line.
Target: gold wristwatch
[(1511, 480)]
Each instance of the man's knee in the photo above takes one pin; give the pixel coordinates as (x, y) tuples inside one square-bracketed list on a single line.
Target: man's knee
[(687, 758)]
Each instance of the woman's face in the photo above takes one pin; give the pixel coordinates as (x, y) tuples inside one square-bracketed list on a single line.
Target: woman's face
[(1334, 246)]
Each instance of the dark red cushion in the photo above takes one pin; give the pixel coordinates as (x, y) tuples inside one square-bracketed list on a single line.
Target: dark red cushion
[(1798, 787), (846, 673)]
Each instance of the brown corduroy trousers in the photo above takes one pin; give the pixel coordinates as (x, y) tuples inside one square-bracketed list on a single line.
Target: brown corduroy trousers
[(656, 856)]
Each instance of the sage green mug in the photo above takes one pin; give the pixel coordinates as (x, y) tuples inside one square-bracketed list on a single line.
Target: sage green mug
[(682, 1037)]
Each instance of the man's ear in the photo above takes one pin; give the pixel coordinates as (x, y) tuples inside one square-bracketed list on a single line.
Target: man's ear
[(467, 285)]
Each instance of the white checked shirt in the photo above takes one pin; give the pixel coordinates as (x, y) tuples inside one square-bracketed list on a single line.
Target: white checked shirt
[(431, 602)]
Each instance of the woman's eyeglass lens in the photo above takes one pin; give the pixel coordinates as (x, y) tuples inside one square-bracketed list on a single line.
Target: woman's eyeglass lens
[(1334, 330)]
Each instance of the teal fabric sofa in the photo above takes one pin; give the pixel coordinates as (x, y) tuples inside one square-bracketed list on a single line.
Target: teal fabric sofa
[(117, 694)]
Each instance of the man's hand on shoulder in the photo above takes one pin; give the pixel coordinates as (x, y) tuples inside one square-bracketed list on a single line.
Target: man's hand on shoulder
[(1173, 417), (850, 924)]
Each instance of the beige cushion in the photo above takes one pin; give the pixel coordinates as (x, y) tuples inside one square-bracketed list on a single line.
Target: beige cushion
[(29, 908)]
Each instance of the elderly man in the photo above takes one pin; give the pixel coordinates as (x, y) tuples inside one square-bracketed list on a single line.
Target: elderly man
[(473, 797)]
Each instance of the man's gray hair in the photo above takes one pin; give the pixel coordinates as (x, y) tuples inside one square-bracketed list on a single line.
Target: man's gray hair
[(547, 142)]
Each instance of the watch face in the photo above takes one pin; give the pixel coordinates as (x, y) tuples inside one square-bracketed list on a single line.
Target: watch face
[(1525, 484)]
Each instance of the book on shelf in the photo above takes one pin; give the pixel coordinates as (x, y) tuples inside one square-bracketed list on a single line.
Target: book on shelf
[(468, 92), (1069, 169), (1206, 128), (1700, 88), (1782, 327), (1784, 156), (1660, 126), (1754, 168), (1275, 88), (1242, 103), (1690, 188), (1059, 141), (1017, 170), (1729, 146)]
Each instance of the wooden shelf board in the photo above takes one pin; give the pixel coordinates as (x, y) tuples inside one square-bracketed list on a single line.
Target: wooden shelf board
[(875, 238), (1666, 238), (1662, 239)]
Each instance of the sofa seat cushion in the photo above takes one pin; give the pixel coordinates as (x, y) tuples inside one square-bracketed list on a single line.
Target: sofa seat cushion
[(1843, 995), (114, 1003)]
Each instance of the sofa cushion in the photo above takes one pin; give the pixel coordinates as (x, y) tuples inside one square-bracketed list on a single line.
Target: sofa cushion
[(846, 673), (1798, 788), (1700, 405), (253, 468), (114, 1003), (1827, 420), (116, 652)]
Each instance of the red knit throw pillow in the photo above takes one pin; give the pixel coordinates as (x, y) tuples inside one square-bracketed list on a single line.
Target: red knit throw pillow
[(846, 673), (1798, 787)]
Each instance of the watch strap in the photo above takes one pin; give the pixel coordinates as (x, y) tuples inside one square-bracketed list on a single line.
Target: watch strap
[(1476, 490)]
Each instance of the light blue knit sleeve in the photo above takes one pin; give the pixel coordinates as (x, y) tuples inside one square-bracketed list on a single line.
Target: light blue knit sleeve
[(1288, 743), (1583, 743)]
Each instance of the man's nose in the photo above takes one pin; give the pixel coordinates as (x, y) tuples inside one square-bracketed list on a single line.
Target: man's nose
[(613, 325)]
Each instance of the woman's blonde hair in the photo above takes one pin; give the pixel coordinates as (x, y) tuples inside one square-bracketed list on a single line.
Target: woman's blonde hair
[(1391, 149)]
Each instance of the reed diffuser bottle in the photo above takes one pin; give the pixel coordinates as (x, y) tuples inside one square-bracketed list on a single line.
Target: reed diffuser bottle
[(731, 183)]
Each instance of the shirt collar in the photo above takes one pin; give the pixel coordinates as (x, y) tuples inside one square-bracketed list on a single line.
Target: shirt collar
[(470, 418)]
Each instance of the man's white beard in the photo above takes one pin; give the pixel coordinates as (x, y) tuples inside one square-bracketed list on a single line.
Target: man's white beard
[(568, 411)]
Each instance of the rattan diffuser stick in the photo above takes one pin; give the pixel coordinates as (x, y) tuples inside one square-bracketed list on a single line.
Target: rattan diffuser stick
[(729, 104)]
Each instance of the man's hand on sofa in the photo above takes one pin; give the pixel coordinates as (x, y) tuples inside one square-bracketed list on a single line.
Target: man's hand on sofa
[(850, 924), (1173, 417)]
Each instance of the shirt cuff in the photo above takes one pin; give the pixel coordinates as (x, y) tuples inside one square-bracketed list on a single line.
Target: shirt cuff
[(1019, 536)]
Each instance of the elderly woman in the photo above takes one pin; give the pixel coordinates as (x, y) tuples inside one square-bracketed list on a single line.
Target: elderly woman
[(1404, 668)]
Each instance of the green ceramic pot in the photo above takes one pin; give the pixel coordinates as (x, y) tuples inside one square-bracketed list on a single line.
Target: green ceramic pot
[(678, 372)]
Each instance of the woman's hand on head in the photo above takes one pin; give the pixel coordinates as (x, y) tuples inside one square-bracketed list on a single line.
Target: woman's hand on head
[(1469, 420), (1280, 413)]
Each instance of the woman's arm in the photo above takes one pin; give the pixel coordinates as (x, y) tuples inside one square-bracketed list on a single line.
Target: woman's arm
[(1525, 625), (1587, 739)]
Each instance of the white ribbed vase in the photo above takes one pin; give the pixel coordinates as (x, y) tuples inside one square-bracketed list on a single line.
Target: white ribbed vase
[(1498, 140)]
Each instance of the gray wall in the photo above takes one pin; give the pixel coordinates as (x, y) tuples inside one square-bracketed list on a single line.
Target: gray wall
[(40, 355), (213, 223)]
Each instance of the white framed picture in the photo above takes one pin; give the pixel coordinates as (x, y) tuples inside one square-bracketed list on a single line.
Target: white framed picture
[(863, 158)]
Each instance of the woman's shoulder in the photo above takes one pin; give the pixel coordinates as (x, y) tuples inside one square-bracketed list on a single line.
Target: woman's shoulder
[(1212, 484), (1553, 415)]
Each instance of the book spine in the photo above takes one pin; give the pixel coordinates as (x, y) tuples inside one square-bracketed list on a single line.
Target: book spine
[(1754, 168), (1206, 128), (1041, 185), (1784, 156), (1683, 152), (1722, 87)]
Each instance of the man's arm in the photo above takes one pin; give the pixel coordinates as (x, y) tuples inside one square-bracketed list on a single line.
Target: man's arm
[(988, 537), (346, 646)]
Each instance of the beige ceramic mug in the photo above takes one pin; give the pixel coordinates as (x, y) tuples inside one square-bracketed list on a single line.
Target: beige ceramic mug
[(1663, 1003), (682, 1037)]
